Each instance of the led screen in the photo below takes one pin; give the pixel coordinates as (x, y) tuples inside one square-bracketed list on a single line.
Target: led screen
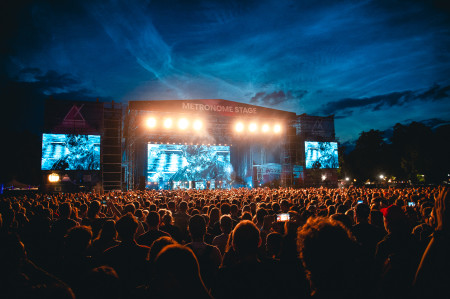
[(70, 152), (177, 162), (321, 154)]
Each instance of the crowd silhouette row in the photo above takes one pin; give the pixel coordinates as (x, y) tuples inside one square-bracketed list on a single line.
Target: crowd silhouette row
[(238, 243)]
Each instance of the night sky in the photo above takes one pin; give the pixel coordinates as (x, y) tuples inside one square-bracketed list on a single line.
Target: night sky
[(370, 63)]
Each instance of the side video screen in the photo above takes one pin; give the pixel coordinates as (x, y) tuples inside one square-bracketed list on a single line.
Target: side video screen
[(321, 154), (70, 152)]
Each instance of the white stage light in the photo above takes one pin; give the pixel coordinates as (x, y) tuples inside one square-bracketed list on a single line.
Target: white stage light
[(151, 122), (252, 127), (53, 178), (277, 129), (265, 128), (198, 125), (239, 127), (183, 123), (168, 123)]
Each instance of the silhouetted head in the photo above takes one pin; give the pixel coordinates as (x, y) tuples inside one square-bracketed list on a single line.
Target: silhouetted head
[(178, 273), (394, 219), (376, 218), (225, 209), (159, 245), (94, 209), (183, 206), (102, 283), (197, 227), (214, 216), (127, 226), (344, 219), (273, 244), (12, 254), (246, 239), (153, 219), (226, 224), (167, 218), (108, 230), (362, 212), (328, 252), (260, 214), (78, 239), (65, 209)]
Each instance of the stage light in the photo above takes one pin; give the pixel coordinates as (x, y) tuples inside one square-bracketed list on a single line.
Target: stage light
[(324, 177), (198, 125), (53, 177), (265, 128), (239, 127), (168, 123), (277, 128), (183, 123), (252, 127), (151, 122)]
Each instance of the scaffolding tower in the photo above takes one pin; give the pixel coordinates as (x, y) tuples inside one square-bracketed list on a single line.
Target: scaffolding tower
[(112, 147)]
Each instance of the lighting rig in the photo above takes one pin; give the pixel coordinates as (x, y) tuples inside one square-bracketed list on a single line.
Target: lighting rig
[(197, 125)]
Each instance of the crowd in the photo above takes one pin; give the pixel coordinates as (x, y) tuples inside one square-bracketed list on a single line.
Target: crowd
[(239, 243)]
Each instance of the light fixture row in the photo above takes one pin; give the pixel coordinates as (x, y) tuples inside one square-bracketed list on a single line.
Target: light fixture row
[(169, 123), (184, 124), (253, 127)]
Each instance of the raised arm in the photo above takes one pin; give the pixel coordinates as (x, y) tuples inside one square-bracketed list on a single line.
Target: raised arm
[(433, 275)]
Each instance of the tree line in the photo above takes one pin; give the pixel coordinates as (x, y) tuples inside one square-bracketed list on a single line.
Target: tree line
[(414, 152)]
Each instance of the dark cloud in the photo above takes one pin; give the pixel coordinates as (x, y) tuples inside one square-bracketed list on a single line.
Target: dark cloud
[(46, 80), (23, 97), (430, 122), (277, 97), (435, 93), (56, 80), (376, 103)]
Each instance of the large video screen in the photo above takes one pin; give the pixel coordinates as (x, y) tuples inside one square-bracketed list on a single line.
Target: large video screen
[(321, 154), (177, 162), (70, 152)]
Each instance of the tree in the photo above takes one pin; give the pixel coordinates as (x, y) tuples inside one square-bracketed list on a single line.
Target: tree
[(411, 149), (368, 159)]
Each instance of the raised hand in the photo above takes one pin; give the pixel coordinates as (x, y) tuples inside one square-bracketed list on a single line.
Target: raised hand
[(441, 206)]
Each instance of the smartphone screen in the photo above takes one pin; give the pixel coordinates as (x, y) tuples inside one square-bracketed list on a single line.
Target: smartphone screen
[(283, 217)]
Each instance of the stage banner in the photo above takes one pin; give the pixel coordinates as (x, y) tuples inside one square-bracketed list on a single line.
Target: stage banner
[(73, 117), (317, 126), (207, 106)]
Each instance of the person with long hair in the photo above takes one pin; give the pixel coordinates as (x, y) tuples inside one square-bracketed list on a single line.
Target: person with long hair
[(178, 274)]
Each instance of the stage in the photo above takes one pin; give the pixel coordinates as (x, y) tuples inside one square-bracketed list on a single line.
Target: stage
[(184, 144)]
